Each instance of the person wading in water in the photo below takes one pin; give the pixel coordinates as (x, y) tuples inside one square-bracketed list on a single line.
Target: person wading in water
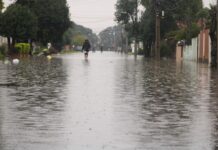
[(86, 48)]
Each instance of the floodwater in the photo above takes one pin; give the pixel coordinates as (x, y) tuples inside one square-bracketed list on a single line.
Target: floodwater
[(111, 102)]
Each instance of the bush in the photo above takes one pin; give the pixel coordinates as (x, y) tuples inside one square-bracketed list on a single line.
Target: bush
[(3, 49), (1, 56), (166, 50), (140, 51), (23, 48), (37, 51), (185, 33)]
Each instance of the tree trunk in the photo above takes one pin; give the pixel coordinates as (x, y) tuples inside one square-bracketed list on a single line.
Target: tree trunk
[(31, 46), (136, 47), (13, 45), (213, 36), (9, 44)]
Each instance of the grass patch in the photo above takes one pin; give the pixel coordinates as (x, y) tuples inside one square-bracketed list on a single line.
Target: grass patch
[(1, 56)]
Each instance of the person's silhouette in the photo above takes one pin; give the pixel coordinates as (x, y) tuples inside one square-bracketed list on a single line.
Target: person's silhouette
[(86, 47)]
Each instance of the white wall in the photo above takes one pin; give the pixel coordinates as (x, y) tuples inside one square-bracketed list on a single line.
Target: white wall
[(191, 52), (209, 51)]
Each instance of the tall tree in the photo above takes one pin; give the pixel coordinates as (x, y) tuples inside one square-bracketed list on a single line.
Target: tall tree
[(177, 12), (53, 19), (111, 37), (19, 23), (127, 14), (1, 5), (213, 36), (75, 30)]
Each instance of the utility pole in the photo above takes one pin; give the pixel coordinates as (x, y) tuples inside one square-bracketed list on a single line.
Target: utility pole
[(157, 30), (124, 40), (136, 26), (127, 44)]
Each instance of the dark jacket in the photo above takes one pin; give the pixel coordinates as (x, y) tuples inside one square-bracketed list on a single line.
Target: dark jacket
[(86, 46)]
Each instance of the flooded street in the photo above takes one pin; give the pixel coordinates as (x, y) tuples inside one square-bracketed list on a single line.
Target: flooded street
[(111, 102)]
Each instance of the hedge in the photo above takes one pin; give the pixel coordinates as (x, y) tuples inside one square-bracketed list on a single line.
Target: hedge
[(23, 48)]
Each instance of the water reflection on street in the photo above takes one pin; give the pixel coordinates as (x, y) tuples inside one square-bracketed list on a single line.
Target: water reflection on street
[(110, 101)]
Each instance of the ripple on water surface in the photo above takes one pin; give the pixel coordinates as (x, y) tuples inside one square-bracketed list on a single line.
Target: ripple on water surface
[(110, 101)]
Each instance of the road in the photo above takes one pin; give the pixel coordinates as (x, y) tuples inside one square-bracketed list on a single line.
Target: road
[(110, 101)]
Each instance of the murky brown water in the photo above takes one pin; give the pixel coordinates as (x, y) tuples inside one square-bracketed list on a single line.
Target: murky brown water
[(108, 102)]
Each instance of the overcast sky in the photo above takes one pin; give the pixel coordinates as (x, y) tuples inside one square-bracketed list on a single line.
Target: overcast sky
[(95, 14)]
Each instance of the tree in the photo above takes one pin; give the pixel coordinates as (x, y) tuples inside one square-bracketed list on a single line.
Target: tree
[(180, 21), (127, 14), (111, 37), (78, 40), (126, 11), (28, 3), (1, 5), (19, 23), (79, 30), (168, 23), (68, 37), (213, 36), (53, 19)]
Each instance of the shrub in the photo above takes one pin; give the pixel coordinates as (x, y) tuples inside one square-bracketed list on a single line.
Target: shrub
[(166, 50), (23, 48), (3, 49), (37, 51), (140, 51), (185, 33), (1, 56)]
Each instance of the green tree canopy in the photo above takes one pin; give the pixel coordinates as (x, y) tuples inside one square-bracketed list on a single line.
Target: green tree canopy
[(53, 19), (127, 14), (78, 40), (112, 37), (180, 20), (1, 5), (126, 11), (79, 30), (19, 23)]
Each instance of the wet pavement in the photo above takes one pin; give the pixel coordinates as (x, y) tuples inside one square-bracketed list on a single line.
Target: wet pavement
[(111, 102)]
